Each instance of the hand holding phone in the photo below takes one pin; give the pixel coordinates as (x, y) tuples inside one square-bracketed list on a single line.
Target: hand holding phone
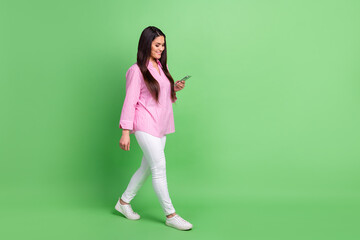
[(184, 79)]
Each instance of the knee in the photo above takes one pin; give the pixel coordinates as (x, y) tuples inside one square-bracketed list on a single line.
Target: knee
[(159, 170)]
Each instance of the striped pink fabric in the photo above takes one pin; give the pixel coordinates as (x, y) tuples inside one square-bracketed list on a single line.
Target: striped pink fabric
[(140, 110)]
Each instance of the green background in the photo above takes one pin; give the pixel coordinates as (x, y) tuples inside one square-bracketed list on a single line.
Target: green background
[(267, 129)]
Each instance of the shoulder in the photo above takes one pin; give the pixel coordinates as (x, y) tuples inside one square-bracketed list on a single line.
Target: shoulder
[(134, 68)]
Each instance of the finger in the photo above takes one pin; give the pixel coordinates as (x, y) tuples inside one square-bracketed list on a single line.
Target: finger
[(128, 146)]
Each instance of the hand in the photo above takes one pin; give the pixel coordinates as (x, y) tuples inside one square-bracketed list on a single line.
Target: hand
[(179, 85), (125, 142)]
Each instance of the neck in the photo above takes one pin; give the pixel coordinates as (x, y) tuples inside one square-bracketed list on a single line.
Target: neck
[(153, 59)]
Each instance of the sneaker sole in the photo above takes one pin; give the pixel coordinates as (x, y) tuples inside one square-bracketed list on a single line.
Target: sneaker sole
[(183, 229)]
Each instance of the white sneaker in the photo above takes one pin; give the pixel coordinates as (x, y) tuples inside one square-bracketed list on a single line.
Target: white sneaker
[(127, 211), (178, 222)]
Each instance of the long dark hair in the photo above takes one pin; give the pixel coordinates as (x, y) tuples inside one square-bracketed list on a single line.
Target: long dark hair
[(144, 53)]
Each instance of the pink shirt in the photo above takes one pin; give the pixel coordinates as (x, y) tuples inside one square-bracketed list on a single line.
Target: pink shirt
[(140, 110)]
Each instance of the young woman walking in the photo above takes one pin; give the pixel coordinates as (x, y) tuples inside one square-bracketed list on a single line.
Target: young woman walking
[(147, 112)]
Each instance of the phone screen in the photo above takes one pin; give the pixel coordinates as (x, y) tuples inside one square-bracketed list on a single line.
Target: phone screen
[(185, 78)]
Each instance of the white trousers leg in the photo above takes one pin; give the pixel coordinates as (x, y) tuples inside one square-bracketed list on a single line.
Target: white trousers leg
[(153, 161)]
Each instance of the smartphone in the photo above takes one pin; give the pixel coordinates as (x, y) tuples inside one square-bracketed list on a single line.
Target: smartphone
[(185, 78)]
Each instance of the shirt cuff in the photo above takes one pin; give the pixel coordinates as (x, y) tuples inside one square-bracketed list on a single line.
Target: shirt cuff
[(126, 124)]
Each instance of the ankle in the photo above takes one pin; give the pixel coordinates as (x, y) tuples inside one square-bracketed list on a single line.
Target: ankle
[(171, 215), (123, 203)]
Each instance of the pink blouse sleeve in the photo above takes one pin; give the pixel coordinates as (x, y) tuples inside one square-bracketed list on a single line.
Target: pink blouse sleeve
[(133, 84)]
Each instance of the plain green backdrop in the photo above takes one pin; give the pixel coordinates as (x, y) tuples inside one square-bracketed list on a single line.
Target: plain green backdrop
[(267, 129)]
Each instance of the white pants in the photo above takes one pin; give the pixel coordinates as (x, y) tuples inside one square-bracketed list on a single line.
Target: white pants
[(153, 161)]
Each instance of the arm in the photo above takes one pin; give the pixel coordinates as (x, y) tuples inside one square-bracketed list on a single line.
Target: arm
[(133, 84)]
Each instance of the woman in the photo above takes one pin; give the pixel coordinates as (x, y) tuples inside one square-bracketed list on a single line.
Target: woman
[(147, 112)]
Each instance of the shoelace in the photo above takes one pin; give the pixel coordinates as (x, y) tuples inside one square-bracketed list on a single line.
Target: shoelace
[(128, 209), (180, 219)]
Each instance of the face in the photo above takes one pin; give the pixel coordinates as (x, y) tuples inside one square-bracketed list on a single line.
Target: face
[(157, 47)]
